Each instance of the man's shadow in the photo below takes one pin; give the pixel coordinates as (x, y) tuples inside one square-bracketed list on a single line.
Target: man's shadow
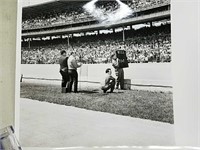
[(89, 91), (98, 91)]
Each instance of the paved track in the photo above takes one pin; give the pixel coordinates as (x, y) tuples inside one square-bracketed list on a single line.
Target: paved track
[(44, 124)]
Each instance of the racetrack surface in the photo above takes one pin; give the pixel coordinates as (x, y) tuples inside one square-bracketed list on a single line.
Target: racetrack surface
[(44, 124)]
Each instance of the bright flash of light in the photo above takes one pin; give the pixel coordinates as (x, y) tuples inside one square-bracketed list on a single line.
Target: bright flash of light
[(103, 17)]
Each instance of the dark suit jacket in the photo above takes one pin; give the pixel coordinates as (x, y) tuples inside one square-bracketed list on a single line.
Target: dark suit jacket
[(63, 63)]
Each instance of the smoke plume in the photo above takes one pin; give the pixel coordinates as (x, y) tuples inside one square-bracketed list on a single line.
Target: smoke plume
[(104, 17)]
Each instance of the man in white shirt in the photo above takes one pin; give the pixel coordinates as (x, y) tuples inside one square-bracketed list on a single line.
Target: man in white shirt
[(72, 71)]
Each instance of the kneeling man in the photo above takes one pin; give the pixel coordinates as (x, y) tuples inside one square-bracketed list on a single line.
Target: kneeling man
[(109, 82)]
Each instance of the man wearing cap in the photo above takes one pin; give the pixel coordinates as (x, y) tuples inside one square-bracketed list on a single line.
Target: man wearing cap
[(109, 82)]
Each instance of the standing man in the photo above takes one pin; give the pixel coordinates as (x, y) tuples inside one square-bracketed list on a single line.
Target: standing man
[(64, 71), (109, 82), (119, 72), (72, 70)]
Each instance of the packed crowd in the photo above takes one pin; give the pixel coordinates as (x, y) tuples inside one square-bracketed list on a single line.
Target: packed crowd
[(40, 55), (144, 4), (69, 16), (143, 47), (77, 14)]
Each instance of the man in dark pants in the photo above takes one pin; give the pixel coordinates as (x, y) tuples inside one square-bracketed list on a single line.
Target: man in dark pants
[(119, 72), (64, 71), (72, 70), (109, 82)]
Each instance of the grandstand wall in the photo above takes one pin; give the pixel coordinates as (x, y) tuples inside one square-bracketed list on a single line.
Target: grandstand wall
[(157, 74)]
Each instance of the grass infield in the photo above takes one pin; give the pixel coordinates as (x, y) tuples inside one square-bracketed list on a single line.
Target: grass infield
[(157, 106)]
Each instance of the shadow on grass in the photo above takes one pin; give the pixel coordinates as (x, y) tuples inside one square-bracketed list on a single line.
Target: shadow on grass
[(99, 91), (115, 92), (89, 91)]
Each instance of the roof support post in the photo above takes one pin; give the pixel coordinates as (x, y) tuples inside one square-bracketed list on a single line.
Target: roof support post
[(68, 40), (131, 27), (151, 24), (123, 34), (113, 30), (29, 43)]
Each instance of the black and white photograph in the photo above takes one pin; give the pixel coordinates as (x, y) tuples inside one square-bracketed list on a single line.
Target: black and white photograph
[(96, 73), (99, 74)]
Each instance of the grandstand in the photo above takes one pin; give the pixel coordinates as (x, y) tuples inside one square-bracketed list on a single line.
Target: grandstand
[(56, 25)]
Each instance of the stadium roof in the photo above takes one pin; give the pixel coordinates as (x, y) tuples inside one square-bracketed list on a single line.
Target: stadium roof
[(95, 27), (52, 6)]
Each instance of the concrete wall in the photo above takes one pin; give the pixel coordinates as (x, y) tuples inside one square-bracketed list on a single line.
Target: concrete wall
[(144, 73)]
